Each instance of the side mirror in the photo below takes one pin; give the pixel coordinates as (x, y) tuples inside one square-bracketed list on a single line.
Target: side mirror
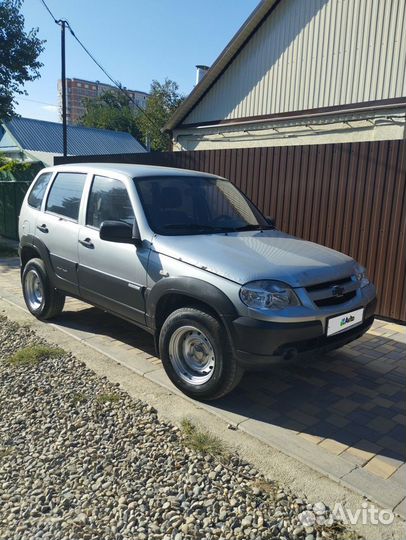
[(118, 231), (271, 221)]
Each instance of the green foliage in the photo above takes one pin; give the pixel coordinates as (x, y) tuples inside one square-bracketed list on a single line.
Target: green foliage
[(18, 171), (19, 51), (164, 99), (30, 356), (112, 110)]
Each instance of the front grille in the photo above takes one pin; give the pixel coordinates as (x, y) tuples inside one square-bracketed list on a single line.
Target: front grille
[(329, 284), (335, 300), (324, 294)]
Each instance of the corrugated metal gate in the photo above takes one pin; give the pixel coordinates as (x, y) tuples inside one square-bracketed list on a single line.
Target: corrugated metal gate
[(11, 198), (350, 197)]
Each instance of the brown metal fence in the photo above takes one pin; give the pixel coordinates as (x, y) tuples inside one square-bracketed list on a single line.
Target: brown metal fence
[(350, 197)]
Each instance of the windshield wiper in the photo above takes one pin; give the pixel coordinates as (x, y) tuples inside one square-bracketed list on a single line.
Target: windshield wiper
[(193, 227), (253, 228)]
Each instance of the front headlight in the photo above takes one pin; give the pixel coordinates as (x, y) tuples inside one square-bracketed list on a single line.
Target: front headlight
[(360, 276), (268, 295)]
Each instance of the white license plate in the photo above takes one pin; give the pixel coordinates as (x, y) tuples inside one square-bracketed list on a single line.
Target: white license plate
[(344, 322)]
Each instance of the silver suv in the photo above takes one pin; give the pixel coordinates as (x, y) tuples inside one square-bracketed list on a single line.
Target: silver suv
[(190, 259)]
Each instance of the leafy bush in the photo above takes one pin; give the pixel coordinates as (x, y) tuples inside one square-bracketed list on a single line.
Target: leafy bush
[(19, 171)]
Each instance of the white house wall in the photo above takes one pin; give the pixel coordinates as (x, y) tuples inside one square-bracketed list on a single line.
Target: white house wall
[(290, 134), (313, 53)]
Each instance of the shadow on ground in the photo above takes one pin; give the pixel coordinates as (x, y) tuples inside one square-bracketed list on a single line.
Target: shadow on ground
[(355, 396)]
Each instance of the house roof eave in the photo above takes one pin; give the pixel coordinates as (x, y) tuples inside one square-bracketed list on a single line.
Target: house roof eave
[(12, 137), (221, 63)]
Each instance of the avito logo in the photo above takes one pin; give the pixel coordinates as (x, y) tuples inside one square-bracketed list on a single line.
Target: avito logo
[(346, 320)]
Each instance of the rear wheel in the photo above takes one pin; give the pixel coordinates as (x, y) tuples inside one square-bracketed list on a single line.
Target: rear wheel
[(41, 299), (196, 354)]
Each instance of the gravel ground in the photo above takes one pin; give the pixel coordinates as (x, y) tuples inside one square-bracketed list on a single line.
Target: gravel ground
[(81, 460)]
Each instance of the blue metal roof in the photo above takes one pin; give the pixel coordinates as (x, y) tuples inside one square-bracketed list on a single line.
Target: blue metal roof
[(42, 136)]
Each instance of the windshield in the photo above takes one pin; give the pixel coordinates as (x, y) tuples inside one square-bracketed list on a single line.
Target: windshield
[(180, 205)]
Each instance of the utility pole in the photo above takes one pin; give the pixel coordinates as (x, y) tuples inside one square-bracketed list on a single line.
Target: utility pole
[(62, 24)]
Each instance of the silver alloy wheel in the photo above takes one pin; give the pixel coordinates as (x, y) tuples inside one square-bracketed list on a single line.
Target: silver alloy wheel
[(192, 355), (34, 290)]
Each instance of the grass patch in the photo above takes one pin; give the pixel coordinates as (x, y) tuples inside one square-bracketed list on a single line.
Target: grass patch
[(202, 441), (79, 398), (30, 356), (108, 397), (4, 452), (8, 251)]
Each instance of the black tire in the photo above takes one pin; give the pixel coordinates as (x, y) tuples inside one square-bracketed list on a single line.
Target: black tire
[(52, 301), (225, 374)]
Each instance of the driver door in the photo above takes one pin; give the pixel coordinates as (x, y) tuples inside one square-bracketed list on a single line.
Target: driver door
[(111, 275)]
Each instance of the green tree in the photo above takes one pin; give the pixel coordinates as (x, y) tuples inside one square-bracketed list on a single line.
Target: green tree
[(19, 51), (164, 99), (112, 110)]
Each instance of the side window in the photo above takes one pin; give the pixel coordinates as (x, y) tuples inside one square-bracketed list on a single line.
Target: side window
[(108, 200), (65, 194), (37, 193)]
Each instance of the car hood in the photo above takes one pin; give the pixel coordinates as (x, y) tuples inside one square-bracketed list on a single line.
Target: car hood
[(248, 256)]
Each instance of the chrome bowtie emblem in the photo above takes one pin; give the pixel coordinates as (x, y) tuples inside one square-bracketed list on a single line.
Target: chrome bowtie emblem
[(337, 290)]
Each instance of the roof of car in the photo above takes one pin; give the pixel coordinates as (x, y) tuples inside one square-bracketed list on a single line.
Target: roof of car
[(129, 169)]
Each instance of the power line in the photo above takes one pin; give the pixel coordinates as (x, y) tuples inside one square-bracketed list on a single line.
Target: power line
[(49, 11), (37, 101), (117, 84)]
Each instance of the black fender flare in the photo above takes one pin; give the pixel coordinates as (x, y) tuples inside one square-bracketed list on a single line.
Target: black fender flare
[(195, 289), (31, 242)]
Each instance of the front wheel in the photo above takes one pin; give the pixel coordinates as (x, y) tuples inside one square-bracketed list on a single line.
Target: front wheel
[(196, 354), (42, 300)]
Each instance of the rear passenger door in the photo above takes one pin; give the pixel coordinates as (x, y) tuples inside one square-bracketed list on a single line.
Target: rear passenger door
[(111, 275), (58, 227)]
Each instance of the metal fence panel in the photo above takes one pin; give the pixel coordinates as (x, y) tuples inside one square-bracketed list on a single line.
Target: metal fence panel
[(350, 197), (11, 198)]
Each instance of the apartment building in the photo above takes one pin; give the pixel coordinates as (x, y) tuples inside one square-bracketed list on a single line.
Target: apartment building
[(77, 90)]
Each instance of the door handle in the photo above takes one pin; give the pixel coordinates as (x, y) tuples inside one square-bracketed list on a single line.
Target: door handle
[(43, 228), (87, 243)]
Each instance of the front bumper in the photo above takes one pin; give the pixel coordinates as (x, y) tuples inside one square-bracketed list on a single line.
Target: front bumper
[(260, 343)]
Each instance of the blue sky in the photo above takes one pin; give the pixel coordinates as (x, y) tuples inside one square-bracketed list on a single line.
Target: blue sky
[(135, 40)]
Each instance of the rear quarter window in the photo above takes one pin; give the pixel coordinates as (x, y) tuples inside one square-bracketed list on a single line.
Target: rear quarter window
[(65, 194), (37, 193)]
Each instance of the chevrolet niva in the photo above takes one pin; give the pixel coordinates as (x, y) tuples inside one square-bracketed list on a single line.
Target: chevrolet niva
[(187, 257)]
